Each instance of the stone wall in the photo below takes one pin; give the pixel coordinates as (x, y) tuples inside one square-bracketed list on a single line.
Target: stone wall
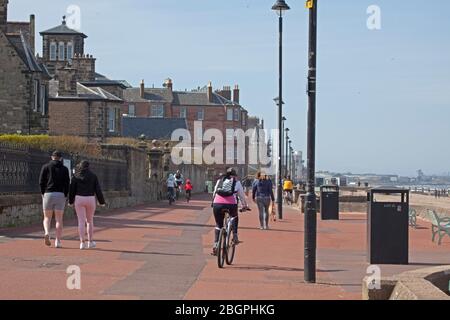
[(21, 210), (26, 209)]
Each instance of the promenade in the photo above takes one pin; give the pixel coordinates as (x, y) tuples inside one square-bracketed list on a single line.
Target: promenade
[(162, 252)]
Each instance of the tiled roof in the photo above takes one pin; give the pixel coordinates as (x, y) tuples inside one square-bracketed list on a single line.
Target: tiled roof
[(122, 83), (63, 29), (151, 94), (83, 93), (199, 99), (152, 128)]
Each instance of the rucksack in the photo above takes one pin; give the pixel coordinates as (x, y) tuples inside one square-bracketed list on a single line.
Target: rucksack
[(226, 187)]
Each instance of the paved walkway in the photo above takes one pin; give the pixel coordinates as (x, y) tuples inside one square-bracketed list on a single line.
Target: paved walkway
[(161, 252)]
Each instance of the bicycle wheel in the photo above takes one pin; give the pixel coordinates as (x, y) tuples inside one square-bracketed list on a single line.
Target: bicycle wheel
[(231, 246), (222, 248)]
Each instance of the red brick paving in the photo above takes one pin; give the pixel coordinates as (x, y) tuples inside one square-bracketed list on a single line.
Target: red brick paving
[(161, 252)]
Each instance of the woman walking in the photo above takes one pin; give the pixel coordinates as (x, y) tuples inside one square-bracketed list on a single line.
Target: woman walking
[(262, 195), (83, 189)]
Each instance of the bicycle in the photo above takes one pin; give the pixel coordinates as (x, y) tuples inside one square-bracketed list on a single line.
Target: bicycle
[(170, 197), (287, 198), (226, 247)]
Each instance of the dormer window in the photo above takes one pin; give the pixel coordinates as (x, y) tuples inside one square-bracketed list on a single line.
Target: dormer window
[(61, 51), (52, 51)]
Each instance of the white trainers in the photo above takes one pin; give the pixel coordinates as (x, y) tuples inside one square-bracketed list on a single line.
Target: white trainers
[(92, 245), (58, 244), (82, 246)]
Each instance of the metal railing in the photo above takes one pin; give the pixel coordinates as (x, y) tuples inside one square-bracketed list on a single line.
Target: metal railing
[(20, 167)]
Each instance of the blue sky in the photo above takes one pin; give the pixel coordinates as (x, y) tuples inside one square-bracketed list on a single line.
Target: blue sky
[(383, 96)]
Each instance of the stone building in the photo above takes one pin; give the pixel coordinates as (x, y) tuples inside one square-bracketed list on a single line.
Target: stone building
[(23, 79), (82, 102), (87, 112), (218, 109)]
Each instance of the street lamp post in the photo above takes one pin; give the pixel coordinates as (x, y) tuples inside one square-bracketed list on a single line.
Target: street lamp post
[(279, 7), (286, 163), (290, 159), (310, 206)]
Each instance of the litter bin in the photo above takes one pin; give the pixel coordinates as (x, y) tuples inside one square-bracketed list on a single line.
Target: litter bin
[(329, 202), (387, 226)]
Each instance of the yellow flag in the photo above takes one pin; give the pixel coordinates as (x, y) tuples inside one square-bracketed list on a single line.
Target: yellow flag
[(309, 4)]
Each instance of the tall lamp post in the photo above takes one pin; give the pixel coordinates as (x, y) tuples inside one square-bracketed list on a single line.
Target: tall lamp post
[(286, 160), (280, 7), (310, 206), (290, 160)]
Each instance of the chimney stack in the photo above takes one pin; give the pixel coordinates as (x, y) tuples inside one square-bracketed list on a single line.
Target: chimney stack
[(32, 32), (142, 91), (3, 15), (236, 94), (67, 84), (226, 92), (210, 92), (168, 84)]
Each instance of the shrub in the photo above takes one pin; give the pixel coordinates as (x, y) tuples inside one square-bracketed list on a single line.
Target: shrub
[(67, 144)]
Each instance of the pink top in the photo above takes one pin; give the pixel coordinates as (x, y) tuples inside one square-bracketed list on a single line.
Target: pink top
[(225, 200)]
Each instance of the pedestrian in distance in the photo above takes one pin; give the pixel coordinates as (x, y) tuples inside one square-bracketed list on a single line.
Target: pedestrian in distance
[(171, 185), (54, 181), (188, 189), (84, 189), (263, 196)]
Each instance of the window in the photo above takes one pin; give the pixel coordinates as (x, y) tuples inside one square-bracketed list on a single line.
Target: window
[(43, 96), (244, 119), (53, 51), (36, 89), (69, 51), (61, 51), (157, 111), (111, 120), (201, 115), (229, 114), (237, 115), (183, 113), (131, 110)]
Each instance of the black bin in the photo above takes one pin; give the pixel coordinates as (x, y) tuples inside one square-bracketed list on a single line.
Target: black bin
[(387, 226), (329, 202)]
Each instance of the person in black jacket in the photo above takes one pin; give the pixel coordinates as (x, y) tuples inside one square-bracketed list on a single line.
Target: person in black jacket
[(54, 182), (83, 189)]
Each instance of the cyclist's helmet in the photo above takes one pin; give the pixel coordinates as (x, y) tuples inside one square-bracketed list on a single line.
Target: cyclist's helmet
[(231, 172)]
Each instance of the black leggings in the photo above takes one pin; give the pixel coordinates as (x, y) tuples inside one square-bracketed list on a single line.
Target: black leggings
[(219, 215)]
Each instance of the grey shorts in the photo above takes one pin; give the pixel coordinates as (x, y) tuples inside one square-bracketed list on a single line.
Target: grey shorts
[(54, 201)]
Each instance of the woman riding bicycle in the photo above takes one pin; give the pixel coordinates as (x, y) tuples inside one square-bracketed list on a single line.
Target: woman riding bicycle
[(227, 187)]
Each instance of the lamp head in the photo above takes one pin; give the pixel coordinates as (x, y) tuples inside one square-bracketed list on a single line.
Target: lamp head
[(280, 6)]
